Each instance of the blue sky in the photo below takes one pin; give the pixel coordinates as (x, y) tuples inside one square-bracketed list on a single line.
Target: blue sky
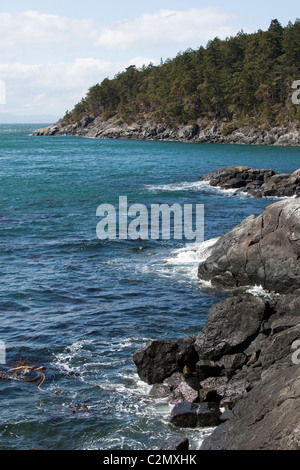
[(52, 52)]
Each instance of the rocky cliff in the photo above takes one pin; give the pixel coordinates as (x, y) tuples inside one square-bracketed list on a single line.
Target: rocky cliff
[(244, 361), (202, 132)]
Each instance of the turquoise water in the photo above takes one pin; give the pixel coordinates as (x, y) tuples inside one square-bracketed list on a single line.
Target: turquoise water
[(81, 306)]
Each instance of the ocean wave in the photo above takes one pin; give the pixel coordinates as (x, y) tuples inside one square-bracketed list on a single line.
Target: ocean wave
[(205, 187), (181, 263), (192, 252), (196, 186), (184, 186)]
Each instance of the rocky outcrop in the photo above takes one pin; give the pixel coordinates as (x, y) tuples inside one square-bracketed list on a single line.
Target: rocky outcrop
[(266, 419), (263, 251), (195, 415), (205, 132), (256, 183), (244, 360), (247, 342), (170, 357)]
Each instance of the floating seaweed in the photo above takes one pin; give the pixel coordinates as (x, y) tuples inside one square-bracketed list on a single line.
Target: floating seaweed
[(25, 373), (79, 408)]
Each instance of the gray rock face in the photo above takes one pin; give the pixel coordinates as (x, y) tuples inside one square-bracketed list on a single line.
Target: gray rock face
[(227, 332), (202, 131), (266, 419), (261, 251)]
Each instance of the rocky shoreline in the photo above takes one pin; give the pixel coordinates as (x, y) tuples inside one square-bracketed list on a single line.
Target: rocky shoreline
[(201, 132), (241, 373), (255, 183)]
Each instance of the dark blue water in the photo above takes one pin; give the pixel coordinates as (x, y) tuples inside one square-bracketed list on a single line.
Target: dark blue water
[(81, 306)]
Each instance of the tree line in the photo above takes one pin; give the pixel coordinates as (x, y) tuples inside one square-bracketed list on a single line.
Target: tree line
[(244, 79)]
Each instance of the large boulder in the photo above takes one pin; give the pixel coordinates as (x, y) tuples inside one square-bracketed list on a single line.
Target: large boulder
[(263, 251), (160, 359), (230, 326), (194, 415)]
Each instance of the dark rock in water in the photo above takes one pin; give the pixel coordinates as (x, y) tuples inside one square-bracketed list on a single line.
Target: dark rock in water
[(193, 415), (243, 359), (262, 251), (208, 415), (231, 177), (256, 183), (184, 415), (160, 359), (266, 419), (180, 444)]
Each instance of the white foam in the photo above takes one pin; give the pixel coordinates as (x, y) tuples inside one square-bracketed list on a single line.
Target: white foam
[(192, 253), (184, 186), (259, 291), (203, 186), (185, 261)]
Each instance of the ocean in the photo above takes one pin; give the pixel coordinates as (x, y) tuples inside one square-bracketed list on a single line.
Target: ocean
[(80, 306)]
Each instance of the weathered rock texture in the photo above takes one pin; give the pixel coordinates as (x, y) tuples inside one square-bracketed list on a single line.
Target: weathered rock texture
[(263, 251), (256, 183), (266, 419), (205, 132)]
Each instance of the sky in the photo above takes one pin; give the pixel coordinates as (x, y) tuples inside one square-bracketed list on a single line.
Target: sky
[(53, 52)]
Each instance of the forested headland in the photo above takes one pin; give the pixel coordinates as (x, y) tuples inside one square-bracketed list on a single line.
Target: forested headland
[(242, 80)]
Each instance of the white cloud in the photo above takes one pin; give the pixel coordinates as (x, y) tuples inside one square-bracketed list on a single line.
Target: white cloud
[(167, 26), (45, 65), (37, 87), (36, 28)]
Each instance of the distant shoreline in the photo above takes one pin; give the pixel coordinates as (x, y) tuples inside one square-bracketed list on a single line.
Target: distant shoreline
[(213, 132)]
